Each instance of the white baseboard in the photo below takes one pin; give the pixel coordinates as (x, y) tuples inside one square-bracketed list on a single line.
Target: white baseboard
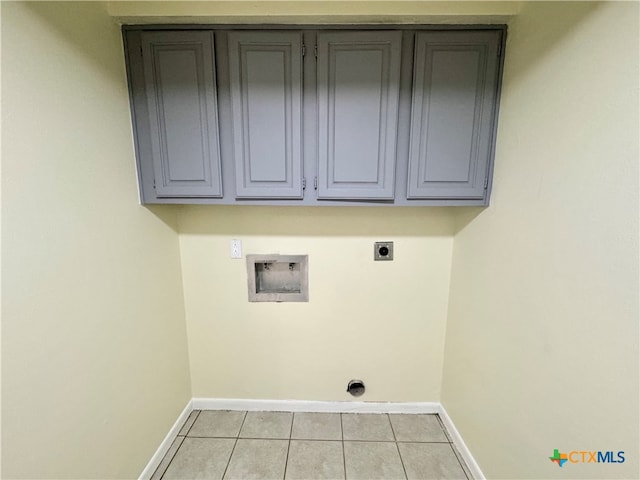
[(462, 448), (312, 406), (166, 443)]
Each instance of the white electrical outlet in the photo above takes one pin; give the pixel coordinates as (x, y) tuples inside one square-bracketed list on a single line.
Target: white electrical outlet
[(236, 248)]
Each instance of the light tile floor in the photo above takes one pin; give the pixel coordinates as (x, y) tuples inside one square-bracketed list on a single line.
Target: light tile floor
[(306, 446)]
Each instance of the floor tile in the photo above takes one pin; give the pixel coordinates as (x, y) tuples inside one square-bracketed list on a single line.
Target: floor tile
[(317, 426), (366, 426), (166, 460), (267, 425), (315, 460), (200, 458), (417, 428), (217, 423), (430, 461), (258, 459), (189, 423), (372, 460)]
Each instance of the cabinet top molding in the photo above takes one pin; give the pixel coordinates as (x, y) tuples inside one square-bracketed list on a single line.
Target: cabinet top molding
[(311, 26), (314, 12)]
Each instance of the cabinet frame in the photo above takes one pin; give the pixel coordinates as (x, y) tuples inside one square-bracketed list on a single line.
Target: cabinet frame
[(336, 180), (467, 165), (286, 179), (131, 34)]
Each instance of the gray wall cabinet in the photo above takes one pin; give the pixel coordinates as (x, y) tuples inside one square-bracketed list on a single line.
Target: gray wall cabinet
[(266, 96), (182, 112), (358, 86), (454, 96), (307, 115)]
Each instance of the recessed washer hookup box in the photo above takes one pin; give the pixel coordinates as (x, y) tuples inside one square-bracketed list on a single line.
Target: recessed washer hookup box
[(278, 278)]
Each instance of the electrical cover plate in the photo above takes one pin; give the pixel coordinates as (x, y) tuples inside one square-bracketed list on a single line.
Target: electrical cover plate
[(383, 251)]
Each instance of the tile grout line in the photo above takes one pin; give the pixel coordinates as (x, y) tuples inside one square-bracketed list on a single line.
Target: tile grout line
[(444, 429), (464, 467), (323, 439), (171, 460), (186, 434), (161, 475), (395, 441), (463, 464), (344, 457), (286, 462), (234, 446)]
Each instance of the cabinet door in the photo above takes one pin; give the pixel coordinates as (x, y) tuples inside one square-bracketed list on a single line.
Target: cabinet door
[(358, 86), (181, 95), (452, 119), (266, 96)]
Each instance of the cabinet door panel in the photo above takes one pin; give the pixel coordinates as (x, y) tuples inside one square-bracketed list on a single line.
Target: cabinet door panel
[(455, 75), (266, 95), (181, 97), (358, 87)]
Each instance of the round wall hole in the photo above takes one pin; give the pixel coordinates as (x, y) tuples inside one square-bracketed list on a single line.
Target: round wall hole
[(355, 387)]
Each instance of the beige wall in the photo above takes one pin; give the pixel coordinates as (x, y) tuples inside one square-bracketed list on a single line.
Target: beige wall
[(542, 334), (94, 357), (382, 322)]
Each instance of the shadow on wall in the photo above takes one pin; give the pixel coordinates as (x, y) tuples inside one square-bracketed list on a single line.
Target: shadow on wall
[(168, 214), (516, 69), (556, 27), (316, 221), (72, 25)]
